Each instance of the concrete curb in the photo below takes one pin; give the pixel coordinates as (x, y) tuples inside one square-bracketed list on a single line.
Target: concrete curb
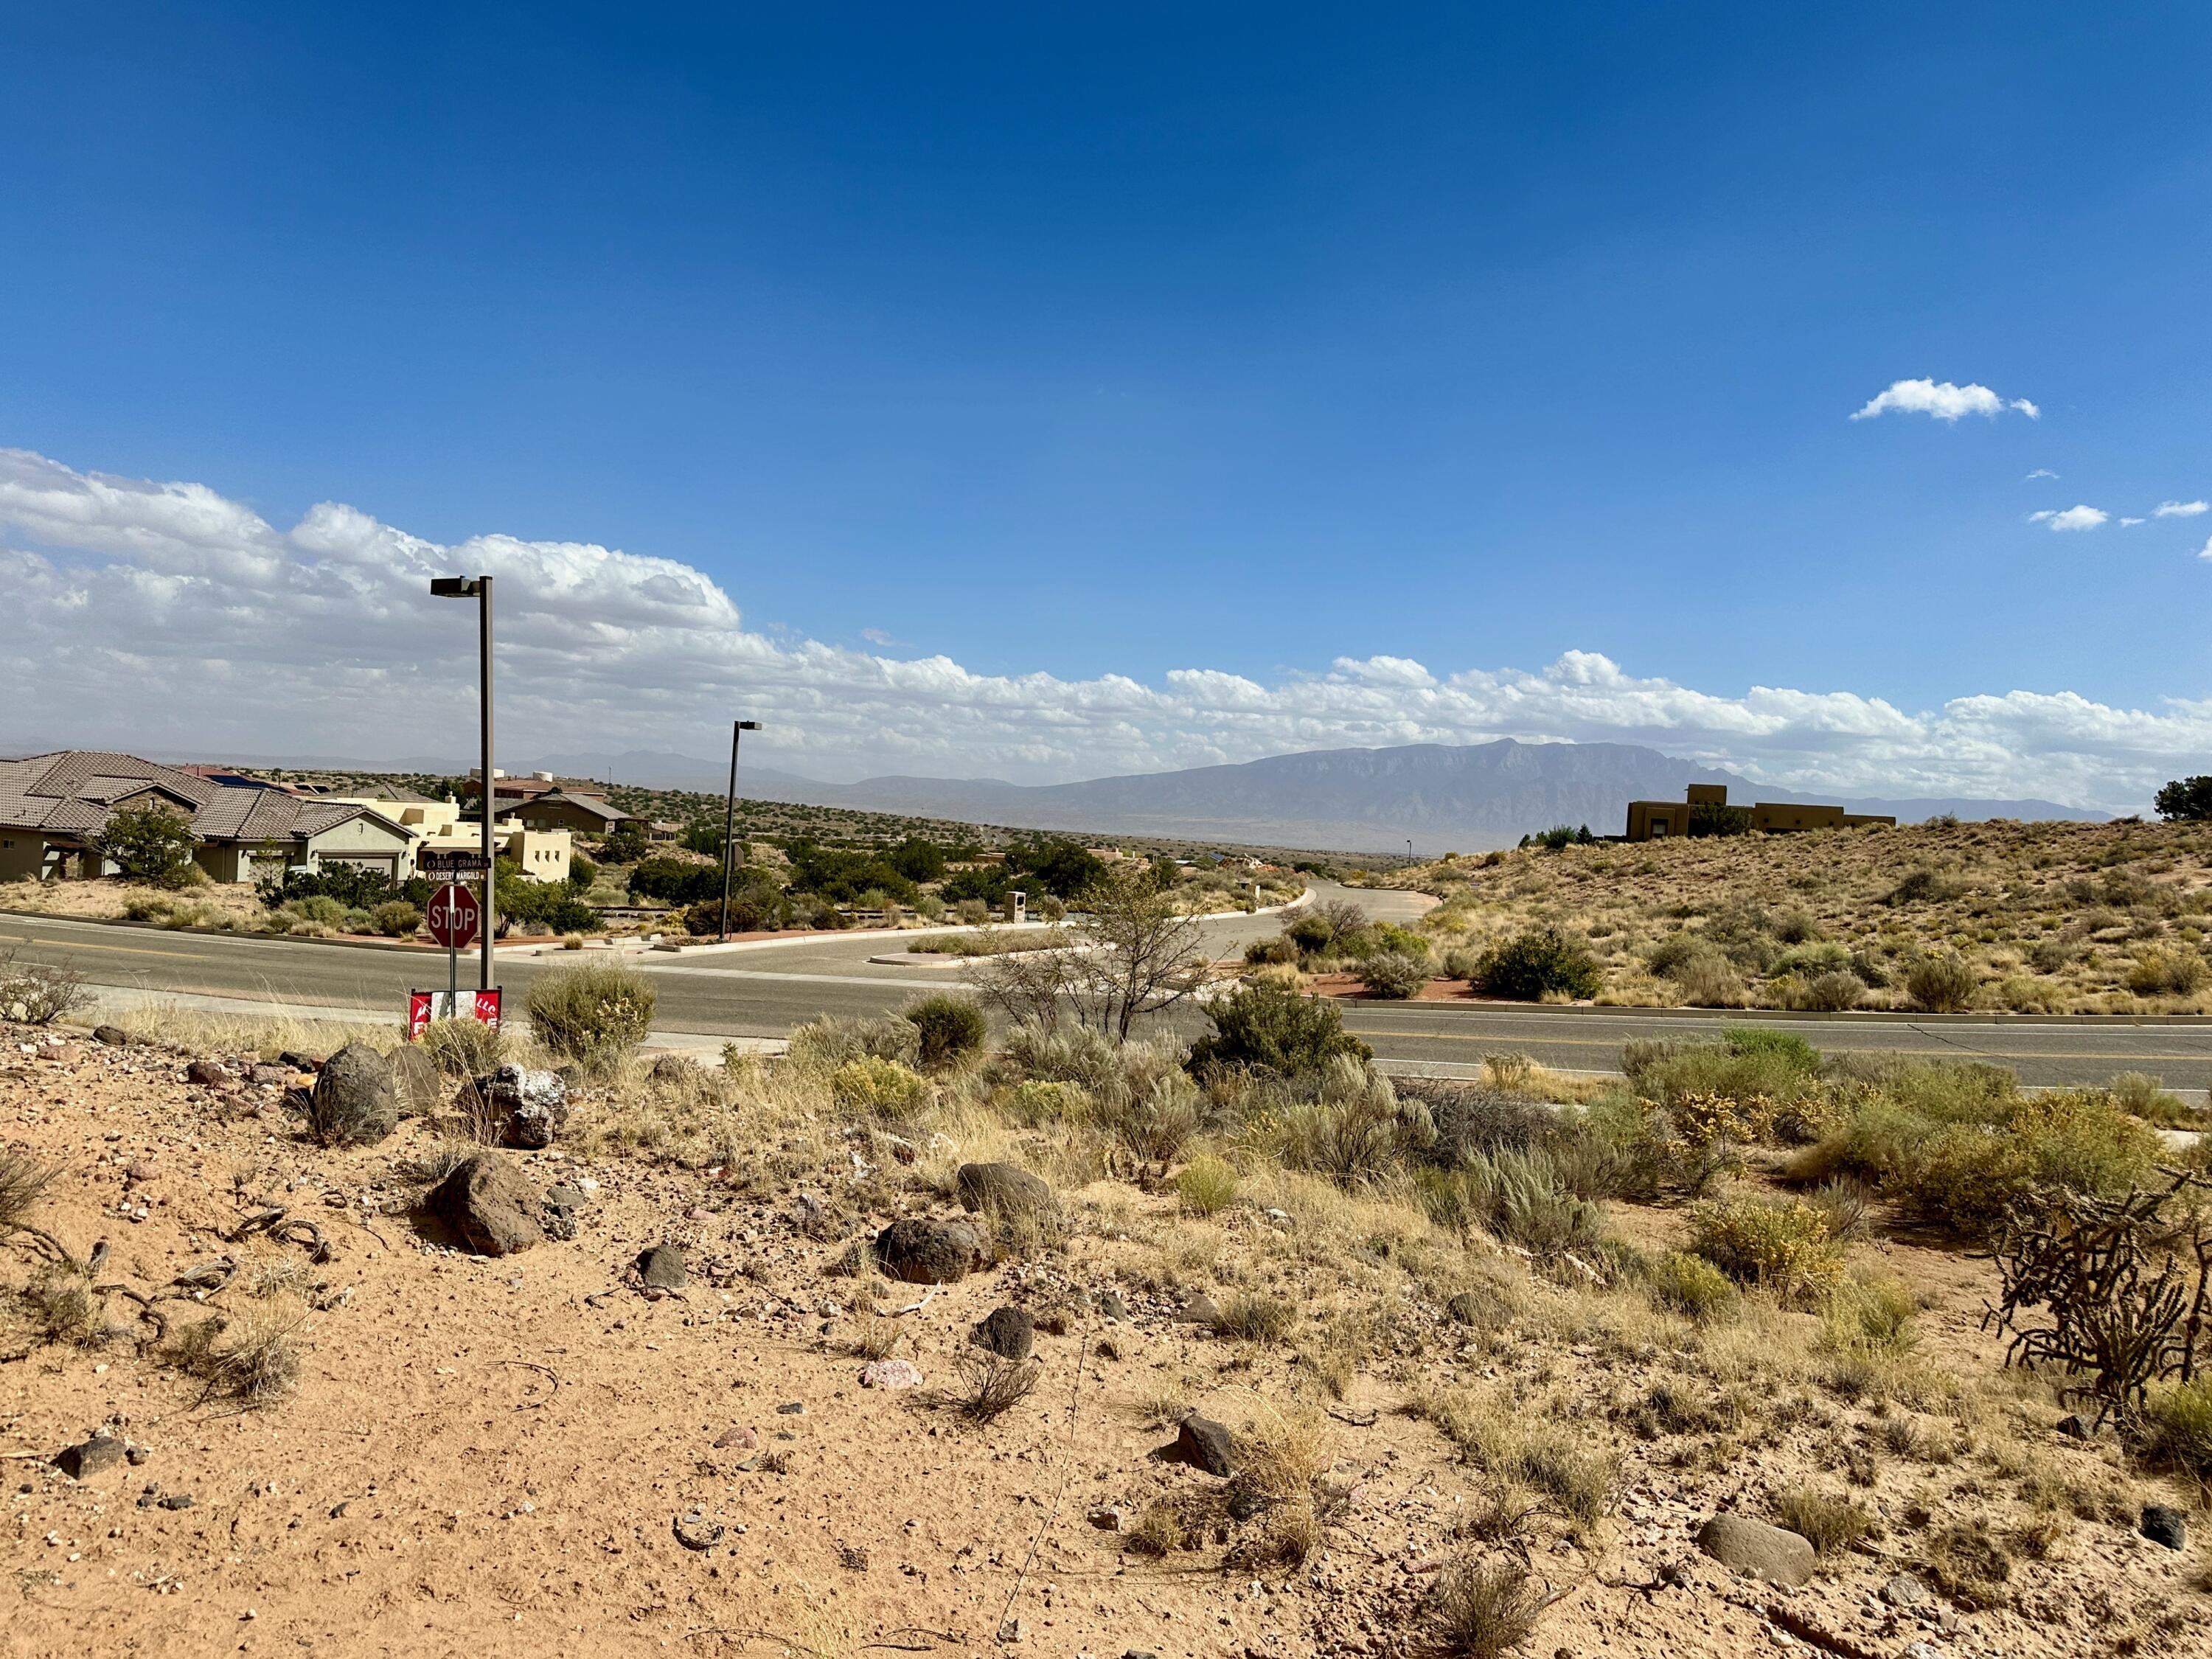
[(1777, 1016)]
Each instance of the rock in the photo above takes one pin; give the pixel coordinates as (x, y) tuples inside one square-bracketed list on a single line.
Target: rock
[(1004, 1189), (1905, 1591), (922, 1252), (487, 1203), (208, 1074), (792, 1408), (177, 1500), (299, 1062), (2164, 1524), (353, 1103), (558, 1221), (141, 1172), (743, 1438), (1108, 1517), (1111, 1305), (2072, 1427), (92, 1458), (270, 1076), (1008, 1333), (891, 1374), (417, 1080), (1204, 1444), (1199, 1311), (531, 1108), (562, 1195), (139, 1455), (1743, 1545), (113, 1035), (663, 1267), (674, 1068), (695, 1532)]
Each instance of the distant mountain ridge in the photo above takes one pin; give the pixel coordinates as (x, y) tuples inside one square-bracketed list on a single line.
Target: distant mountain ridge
[(1443, 797)]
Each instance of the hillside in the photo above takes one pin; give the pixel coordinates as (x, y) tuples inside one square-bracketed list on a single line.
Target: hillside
[(1463, 798), (2030, 918)]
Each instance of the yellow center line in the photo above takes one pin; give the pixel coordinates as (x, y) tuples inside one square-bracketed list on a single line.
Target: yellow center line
[(127, 950), (1498, 1040)]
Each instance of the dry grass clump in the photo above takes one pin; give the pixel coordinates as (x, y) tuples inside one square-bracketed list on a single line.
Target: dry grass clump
[(58, 1305), (248, 1358), (23, 1182), (1156, 1531), (1830, 1524), (1250, 1317), (594, 1013), (1968, 1563), (38, 993), (1478, 1609), (1781, 1247), (1207, 1185), (465, 1048), (1512, 1443)]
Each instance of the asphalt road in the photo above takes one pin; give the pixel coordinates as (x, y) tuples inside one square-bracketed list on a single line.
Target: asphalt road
[(765, 993)]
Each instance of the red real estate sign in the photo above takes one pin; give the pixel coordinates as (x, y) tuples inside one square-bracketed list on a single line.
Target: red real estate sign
[(454, 915), (423, 1006)]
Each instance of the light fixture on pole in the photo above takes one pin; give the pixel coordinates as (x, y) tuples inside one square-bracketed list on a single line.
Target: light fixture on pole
[(479, 589), (737, 728)]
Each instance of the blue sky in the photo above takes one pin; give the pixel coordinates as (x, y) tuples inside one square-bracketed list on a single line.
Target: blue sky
[(1108, 344)]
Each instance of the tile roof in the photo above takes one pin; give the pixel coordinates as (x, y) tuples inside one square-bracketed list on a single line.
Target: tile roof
[(72, 792)]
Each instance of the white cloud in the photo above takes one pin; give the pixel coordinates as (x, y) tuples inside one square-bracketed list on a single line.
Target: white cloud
[(1943, 400), (2126, 523), (2039, 473), (2073, 518), (2181, 510), (167, 617), (2205, 551)]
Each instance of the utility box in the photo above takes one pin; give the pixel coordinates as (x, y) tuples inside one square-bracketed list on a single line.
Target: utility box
[(1017, 905)]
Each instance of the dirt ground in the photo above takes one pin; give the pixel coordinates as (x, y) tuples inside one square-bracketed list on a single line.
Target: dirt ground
[(494, 1457)]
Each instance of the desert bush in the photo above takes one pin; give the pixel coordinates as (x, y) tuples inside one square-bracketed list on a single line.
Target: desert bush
[(826, 1042), (1692, 1286), (1356, 1131), (881, 1086), (1924, 886), (1532, 965), (1394, 975), (949, 1029), (248, 1359), (1871, 1315), (1831, 1525), (1272, 1026), (1264, 953), (994, 1385), (151, 843), (1251, 1316), (1033, 1102), (2178, 1428), (23, 1182), (1964, 1176), (38, 993), (1151, 1118), (58, 1305), (464, 1048), (1708, 980), (1478, 1609), (1783, 1247), (1833, 992), (1940, 984), (1518, 1195), (2141, 1094), (595, 1012), (358, 921), (1509, 1444), (1205, 1185), (2160, 972), (396, 919)]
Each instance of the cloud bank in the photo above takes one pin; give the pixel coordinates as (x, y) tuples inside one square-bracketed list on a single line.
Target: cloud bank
[(168, 617), (1946, 402), (2072, 518)]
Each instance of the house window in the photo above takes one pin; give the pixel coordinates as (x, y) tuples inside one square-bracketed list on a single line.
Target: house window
[(1658, 829)]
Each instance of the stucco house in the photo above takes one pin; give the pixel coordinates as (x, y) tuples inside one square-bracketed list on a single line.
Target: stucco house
[(53, 806)]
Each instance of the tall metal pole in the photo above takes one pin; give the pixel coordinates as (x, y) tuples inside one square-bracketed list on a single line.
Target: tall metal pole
[(737, 728), (490, 880)]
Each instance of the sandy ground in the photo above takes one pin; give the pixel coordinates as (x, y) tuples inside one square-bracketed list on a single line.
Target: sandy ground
[(491, 1457)]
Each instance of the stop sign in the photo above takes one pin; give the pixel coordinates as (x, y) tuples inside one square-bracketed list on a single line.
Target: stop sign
[(454, 915)]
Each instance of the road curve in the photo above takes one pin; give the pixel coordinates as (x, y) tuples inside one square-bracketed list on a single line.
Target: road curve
[(763, 993)]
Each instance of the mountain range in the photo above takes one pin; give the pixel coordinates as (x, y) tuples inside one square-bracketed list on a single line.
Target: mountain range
[(1456, 797)]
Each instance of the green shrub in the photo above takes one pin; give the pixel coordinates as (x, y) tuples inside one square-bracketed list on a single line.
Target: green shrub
[(1963, 1175), (1395, 975), (1151, 1117), (396, 919), (1940, 984), (1708, 980), (950, 1028), (826, 1042), (1357, 1132), (1530, 966), (883, 1086), (1036, 1101), (1783, 1247), (1205, 1185), (2180, 1428), (1271, 1025), (1871, 1316), (1264, 953), (2159, 972), (1693, 1286), (582, 872), (1834, 993), (150, 844), (595, 1011), (1518, 1195), (357, 922)]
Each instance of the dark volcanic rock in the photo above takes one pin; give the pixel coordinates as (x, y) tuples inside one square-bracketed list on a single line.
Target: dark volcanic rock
[(530, 1108), (662, 1268), (1008, 1333), (208, 1074), (353, 1103), (489, 1206), (94, 1456), (921, 1252), (2164, 1524), (113, 1035), (1204, 1444)]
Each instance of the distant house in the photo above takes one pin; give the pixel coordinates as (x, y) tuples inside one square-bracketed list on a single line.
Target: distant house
[(53, 807), (1659, 820), (559, 809)]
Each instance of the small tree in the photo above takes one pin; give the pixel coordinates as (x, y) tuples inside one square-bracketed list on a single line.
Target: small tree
[(1145, 953), (2187, 799), (151, 843), (1266, 1023)]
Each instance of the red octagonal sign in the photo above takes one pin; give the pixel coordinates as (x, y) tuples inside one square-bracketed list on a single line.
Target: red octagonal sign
[(454, 915)]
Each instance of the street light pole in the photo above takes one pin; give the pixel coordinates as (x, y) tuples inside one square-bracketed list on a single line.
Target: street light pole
[(479, 589), (730, 817)]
